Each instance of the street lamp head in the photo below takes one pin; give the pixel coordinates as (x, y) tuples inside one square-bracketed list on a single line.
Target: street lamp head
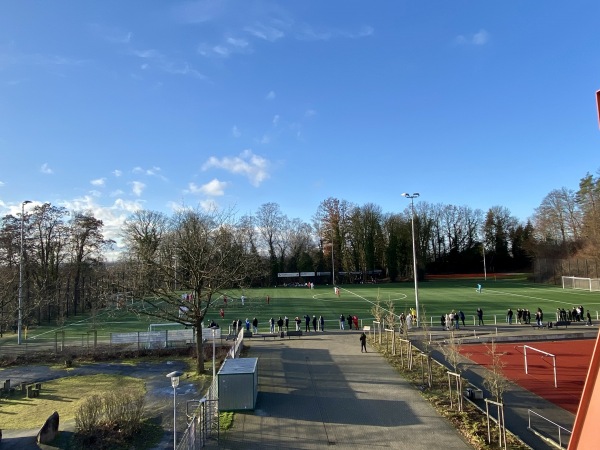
[(407, 195), (174, 376)]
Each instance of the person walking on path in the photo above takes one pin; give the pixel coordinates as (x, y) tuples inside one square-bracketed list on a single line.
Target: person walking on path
[(307, 323), (314, 321), (342, 321), (322, 323), (349, 319), (461, 314), (480, 316), (363, 342)]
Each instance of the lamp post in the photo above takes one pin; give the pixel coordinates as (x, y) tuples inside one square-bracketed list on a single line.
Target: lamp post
[(174, 376), (412, 221), (20, 312), (213, 364)]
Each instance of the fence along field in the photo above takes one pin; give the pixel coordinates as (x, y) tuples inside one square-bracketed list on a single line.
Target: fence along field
[(435, 298)]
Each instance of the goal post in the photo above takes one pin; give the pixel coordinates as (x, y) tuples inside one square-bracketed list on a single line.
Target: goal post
[(525, 347), (581, 283)]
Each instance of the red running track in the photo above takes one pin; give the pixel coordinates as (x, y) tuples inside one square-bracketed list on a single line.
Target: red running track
[(572, 362)]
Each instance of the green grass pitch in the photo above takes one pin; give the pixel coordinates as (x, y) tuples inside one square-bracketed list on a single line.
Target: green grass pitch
[(435, 298)]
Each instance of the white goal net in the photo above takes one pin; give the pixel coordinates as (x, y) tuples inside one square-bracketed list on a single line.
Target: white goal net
[(586, 284)]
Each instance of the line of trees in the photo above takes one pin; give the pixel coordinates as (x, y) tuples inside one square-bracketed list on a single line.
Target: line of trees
[(206, 253)]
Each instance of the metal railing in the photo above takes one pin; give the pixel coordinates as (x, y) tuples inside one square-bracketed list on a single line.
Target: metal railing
[(203, 414), (550, 430)]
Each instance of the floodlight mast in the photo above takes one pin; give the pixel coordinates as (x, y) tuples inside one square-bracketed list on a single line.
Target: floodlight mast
[(412, 221), (20, 312)]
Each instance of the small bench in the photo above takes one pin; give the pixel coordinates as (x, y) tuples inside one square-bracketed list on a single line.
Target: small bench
[(294, 333), (33, 390), (247, 334), (562, 323), (473, 393), (271, 335)]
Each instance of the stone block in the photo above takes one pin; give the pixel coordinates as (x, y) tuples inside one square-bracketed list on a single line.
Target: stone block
[(49, 430)]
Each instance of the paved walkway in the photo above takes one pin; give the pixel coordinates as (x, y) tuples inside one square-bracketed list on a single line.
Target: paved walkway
[(319, 390)]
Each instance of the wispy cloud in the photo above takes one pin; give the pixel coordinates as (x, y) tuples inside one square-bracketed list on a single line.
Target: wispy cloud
[(137, 187), (236, 132), (46, 169), (482, 37), (254, 167), (152, 172), (155, 59), (308, 33), (229, 46), (1, 183), (275, 120), (266, 32), (98, 182), (270, 95), (37, 59), (112, 35), (310, 113), (117, 173)]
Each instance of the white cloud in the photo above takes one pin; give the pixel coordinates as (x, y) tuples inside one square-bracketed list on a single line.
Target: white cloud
[(117, 173), (46, 169), (1, 183), (98, 182), (236, 132), (266, 139), (254, 167), (137, 187), (117, 193), (213, 188), (270, 95), (276, 119), (95, 193), (480, 38)]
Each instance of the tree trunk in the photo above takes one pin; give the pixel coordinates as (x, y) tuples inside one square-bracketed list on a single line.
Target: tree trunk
[(199, 348)]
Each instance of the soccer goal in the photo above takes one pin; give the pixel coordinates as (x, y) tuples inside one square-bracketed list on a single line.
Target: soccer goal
[(586, 284), (545, 354)]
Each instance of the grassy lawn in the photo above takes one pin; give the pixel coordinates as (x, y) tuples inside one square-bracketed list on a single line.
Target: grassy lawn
[(64, 394), (435, 298)]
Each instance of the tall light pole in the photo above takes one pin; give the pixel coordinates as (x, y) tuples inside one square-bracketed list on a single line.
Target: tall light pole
[(412, 221), (174, 376), (20, 312), (332, 262)]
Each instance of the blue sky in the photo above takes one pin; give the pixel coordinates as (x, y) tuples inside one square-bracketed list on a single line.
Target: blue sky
[(112, 106)]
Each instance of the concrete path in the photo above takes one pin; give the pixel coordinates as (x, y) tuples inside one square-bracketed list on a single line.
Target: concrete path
[(319, 391)]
